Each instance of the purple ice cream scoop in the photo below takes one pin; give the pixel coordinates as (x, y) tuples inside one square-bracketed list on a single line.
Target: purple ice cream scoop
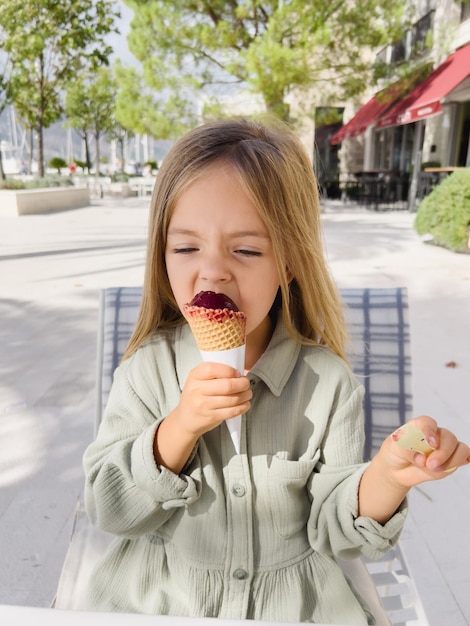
[(212, 300)]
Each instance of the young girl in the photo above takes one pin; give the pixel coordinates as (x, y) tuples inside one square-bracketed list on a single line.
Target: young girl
[(204, 531)]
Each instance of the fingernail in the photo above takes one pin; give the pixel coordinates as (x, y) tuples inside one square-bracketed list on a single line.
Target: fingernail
[(432, 441), (396, 435), (433, 464)]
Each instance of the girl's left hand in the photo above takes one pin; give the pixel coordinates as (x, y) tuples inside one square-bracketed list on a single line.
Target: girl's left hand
[(409, 467)]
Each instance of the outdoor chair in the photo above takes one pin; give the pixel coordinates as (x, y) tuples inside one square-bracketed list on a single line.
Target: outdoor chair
[(378, 326)]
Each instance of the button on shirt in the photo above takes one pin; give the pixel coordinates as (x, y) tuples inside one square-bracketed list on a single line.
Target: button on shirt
[(235, 536), (238, 490)]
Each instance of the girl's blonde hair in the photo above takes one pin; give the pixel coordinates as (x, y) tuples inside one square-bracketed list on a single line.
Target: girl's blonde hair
[(277, 175)]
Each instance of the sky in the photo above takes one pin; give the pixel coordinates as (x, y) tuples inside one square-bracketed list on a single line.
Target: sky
[(119, 40)]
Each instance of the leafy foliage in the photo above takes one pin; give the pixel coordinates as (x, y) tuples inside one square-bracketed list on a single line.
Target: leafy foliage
[(445, 212), (146, 111), (5, 89), (193, 50), (57, 163), (38, 183), (89, 105), (47, 43)]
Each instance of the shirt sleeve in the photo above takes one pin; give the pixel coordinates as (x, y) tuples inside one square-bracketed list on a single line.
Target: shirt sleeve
[(126, 493), (334, 526)]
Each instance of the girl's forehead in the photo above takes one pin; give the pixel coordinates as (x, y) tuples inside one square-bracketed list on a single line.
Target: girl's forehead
[(218, 186), (219, 207)]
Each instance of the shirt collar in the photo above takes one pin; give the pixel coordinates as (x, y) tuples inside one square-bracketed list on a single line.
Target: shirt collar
[(274, 367)]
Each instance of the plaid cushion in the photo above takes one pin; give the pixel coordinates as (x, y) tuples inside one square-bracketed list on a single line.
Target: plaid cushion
[(380, 356)]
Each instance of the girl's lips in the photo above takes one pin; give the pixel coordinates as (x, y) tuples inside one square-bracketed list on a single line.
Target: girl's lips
[(212, 300)]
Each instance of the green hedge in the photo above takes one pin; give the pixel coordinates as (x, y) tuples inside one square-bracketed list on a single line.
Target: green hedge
[(445, 212), (36, 183)]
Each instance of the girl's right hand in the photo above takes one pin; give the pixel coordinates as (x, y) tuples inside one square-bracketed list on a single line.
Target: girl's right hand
[(213, 393)]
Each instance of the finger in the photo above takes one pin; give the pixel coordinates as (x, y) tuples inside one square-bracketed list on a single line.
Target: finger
[(209, 370), (430, 429), (239, 409), (451, 453), (221, 408), (226, 387)]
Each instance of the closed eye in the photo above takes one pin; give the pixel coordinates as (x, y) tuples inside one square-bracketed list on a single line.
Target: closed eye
[(248, 252), (185, 250)]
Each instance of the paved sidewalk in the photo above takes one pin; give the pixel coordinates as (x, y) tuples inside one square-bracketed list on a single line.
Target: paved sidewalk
[(51, 270)]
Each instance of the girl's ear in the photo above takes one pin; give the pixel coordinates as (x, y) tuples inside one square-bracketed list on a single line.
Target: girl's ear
[(289, 275)]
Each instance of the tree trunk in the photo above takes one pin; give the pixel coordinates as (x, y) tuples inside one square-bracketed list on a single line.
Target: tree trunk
[(40, 119), (31, 151), (121, 147), (41, 169), (97, 155), (278, 108), (2, 172), (87, 152)]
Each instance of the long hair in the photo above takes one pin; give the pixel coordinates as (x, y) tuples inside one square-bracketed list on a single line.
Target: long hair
[(277, 175)]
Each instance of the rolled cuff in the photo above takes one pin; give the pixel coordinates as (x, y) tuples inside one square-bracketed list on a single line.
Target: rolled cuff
[(168, 489), (377, 538)]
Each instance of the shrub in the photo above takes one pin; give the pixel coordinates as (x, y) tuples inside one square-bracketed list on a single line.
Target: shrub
[(119, 177), (57, 163), (15, 184), (445, 212), (49, 181), (430, 164), (12, 184), (81, 164)]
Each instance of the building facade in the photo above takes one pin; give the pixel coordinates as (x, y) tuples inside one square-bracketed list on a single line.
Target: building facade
[(420, 131)]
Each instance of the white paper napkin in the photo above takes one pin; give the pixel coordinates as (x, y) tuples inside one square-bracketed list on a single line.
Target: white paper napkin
[(235, 358)]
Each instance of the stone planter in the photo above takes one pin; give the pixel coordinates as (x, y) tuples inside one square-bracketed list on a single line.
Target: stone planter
[(47, 200)]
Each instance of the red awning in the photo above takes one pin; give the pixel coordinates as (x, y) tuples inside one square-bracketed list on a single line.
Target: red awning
[(374, 109), (426, 98), (366, 116)]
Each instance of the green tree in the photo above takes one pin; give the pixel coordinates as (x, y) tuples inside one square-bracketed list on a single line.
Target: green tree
[(120, 135), (315, 52), (48, 43), (89, 106), (144, 110), (5, 90), (58, 163)]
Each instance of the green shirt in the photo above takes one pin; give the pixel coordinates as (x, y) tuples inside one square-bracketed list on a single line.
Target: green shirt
[(248, 536)]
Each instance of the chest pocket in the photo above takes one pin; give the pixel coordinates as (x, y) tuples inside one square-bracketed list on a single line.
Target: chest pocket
[(289, 499)]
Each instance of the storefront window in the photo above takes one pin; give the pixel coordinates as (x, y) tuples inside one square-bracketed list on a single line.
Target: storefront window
[(393, 148), (464, 11), (463, 156), (421, 39), (408, 147)]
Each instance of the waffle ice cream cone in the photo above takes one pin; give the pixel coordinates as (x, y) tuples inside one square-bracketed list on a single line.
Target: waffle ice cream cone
[(220, 333), (216, 329)]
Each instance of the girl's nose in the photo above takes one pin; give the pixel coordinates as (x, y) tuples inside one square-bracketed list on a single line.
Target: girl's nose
[(215, 268)]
